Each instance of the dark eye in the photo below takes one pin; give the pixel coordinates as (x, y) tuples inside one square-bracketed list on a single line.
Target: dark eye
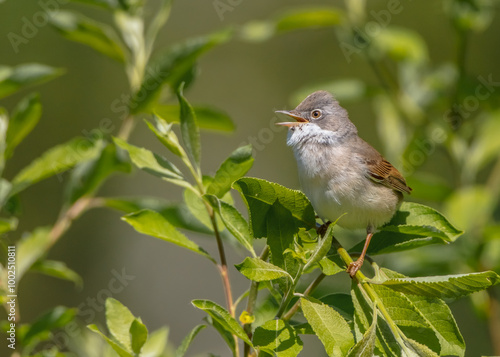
[(316, 113)]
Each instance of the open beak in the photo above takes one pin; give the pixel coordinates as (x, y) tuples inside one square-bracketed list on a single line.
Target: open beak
[(294, 115)]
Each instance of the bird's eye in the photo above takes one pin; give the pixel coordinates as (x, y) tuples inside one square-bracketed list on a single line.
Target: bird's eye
[(316, 113)]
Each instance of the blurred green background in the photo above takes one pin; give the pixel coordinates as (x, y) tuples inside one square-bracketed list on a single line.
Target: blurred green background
[(248, 81)]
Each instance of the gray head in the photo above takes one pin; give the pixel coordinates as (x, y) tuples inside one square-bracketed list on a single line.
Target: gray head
[(321, 108)]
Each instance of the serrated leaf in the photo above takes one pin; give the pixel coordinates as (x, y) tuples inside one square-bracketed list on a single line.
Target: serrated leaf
[(154, 224), (259, 197), (24, 118), (445, 286), (79, 28), (414, 225), (31, 248), (233, 168), (13, 79), (54, 161), (150, 162), (223, 317), (53, 319), (87, 176), (234, 222), (366, 346), (258, 270), (278, 338), (120, 350), (171, 67), (329, 326), (189, 129), (119, 319), (182, 349), (177, 213), (207, 117), (138, 335), (57, 269)]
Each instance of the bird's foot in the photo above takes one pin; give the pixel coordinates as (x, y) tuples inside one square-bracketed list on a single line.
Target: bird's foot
[(321, 230), (353, 267)]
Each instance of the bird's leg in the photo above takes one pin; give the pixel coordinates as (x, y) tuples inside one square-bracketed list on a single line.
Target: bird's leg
[(353, 267), (321, 230)]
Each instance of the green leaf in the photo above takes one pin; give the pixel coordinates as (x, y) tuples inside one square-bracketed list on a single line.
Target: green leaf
[(234, 222), (340, 302), (79, 28), (309, 18), (207, 117), (172, 67), (366, 346), (182, 349), (150, 162), (167, 137), (154, 224), (54, 161), (198, 209), (414, 225), (223, 317), (401, 44), (13, 79), (57, 269), (53, 319), (8, 224), (445, 286), (119, 320), (26, 115), (4, 122), (178, 214), (258, 270), (278, 338), (322, 247), (233, 168), (155, 345), (120, 350), (223, 332), (329, 326), (87, 176), (31, 248), (138, 335), (107, 4), (189, 129), (331, 263), (259, 197)]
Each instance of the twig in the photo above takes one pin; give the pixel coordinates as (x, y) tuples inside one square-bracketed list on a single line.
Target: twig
[(306, 292)]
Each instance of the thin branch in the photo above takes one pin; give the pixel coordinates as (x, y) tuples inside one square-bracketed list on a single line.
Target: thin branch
[(314, 284)]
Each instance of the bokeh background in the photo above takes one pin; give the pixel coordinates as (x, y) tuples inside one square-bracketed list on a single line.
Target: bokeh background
[(248, 81)]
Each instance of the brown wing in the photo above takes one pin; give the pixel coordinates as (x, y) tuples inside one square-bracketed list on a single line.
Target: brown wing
[(383, 172), (379, 169)]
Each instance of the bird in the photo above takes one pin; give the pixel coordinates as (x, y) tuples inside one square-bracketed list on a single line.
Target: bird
[(340, 173)]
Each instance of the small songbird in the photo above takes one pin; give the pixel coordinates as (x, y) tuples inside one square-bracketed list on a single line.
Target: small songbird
[(339, 172)]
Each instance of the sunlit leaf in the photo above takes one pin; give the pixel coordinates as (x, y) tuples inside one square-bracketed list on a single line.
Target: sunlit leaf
[(258, 270), (414, 225), (31, 248), (223, 317), (78, 28), (189, 129), (119, 319), (138, 335), (366, 346), (233, 168), (119, 349), (154, 224), (8, 224), (278, 338), (13, 79), (329, 326), (55, 161)]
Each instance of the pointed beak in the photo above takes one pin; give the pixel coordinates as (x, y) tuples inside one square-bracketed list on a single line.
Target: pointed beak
[(294, 115)]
